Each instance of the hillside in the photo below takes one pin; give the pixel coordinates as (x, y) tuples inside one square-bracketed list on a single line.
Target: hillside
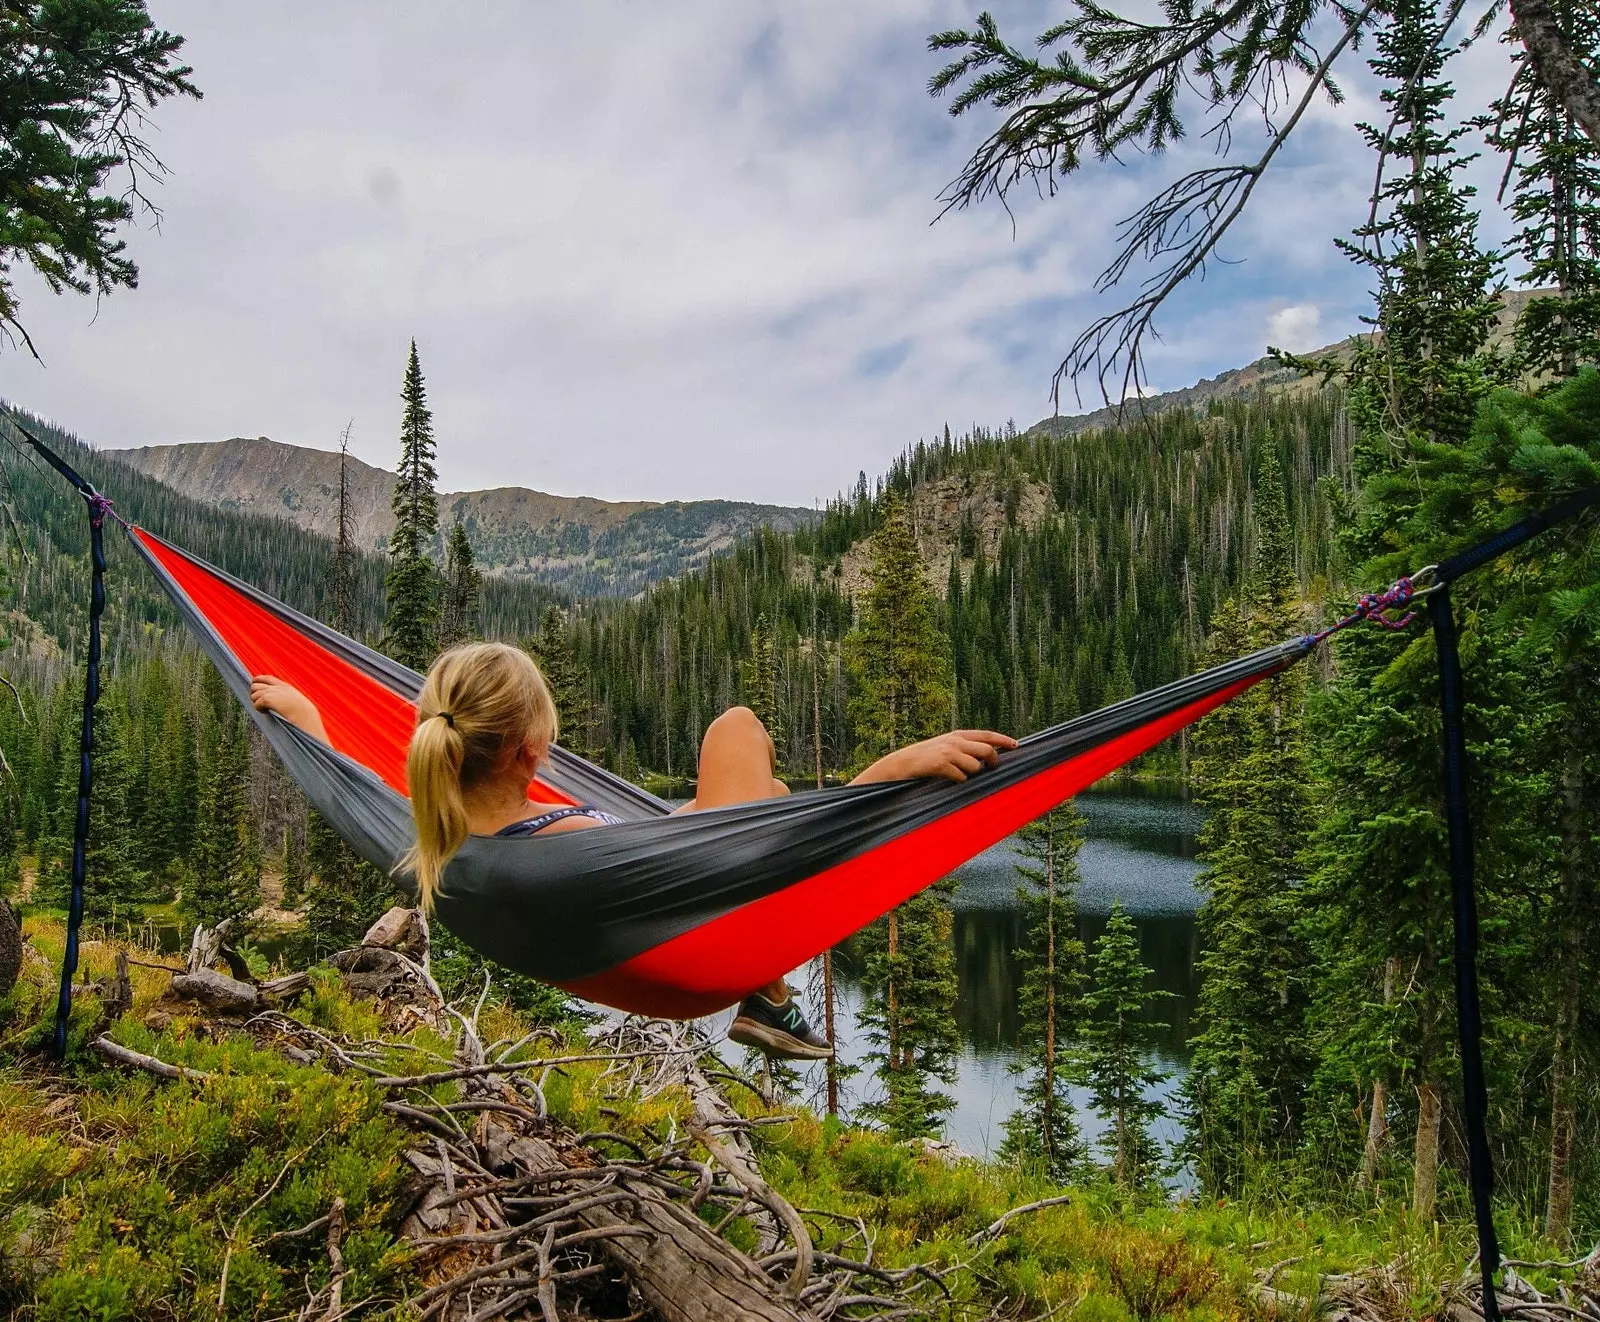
[(577, 544), (1264, 377)]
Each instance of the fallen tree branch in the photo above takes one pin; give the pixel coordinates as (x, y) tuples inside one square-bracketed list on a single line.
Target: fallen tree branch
[(752, 1183), (999, 1224), (122, 1055)]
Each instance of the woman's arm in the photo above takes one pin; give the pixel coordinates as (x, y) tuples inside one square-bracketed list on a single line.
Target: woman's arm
[(953, 756), (269, 693)]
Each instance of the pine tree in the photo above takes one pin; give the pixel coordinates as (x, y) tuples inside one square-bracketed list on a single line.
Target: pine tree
[(1250, 1054), (226, 877), (1554, 172), (1118, 1039), (897, 655), (908, 996), (463, 586), (552, 649), (1379, 889), (113, 887), (412, 584), (761, 681), (1043, 1130), (342, 586), (293, 868), (345, 894), (900, 663)]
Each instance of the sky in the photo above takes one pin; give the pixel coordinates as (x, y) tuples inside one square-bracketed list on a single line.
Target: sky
[(647, 252)]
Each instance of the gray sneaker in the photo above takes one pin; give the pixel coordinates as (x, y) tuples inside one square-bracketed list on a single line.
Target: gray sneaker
[(777, 1030)]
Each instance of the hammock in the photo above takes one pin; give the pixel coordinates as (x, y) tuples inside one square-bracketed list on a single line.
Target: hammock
[(676, 916), (680, 916)]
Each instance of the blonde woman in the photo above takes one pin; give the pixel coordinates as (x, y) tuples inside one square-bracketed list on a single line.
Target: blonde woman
[(485, 723)]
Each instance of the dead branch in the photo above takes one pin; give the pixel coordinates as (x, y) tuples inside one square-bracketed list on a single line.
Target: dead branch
[(122, 1055)]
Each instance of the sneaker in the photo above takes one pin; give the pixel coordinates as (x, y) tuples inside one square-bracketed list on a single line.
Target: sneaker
[(777, 1030)]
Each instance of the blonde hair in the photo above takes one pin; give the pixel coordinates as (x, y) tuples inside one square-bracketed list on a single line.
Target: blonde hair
[(479, 702)]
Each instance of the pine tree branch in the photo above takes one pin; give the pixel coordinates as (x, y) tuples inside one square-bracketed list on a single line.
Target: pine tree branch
[(1557, 65), (1185, 222)]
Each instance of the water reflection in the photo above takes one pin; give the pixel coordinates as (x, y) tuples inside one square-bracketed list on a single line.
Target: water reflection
[(1140, 848)]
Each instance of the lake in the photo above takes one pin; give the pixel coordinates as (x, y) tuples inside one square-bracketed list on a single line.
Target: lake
[(1139, 847)]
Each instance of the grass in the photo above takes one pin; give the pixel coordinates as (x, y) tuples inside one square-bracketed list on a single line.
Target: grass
[(122, 1197)]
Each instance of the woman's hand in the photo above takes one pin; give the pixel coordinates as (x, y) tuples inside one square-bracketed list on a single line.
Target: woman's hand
[(269, 693), (953, 756)]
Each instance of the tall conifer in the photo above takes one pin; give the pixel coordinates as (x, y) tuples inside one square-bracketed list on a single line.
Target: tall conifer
[(900, 664), (1380, 890), (1251, 1057), (226, 878), (1043, 1130), (412, 584), (463, 587), (1118, 1039)]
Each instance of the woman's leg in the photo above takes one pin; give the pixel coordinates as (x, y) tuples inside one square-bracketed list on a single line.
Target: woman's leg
[(737, 760)]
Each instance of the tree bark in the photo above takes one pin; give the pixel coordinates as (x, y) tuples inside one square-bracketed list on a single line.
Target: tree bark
[(1049, 1107), (10, 948), (680, 1268), (1575, 850), (1378, 1117), (1556, 64), (1426, 1187), (894, 1008)]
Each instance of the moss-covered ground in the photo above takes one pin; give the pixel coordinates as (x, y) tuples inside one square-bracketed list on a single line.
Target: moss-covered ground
[(125, 1197)]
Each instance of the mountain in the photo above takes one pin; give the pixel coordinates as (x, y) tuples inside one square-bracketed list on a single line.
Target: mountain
[(1264, 377), (578, 544)]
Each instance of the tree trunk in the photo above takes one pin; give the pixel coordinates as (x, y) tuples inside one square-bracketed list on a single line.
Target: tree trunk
[(680, 1268), (827, 1028), (893, 1000), (827, 955), (10, 948), (1378, 1117), (1049, 1116), (1426, 1187), (1575, 851), (1556, 64)]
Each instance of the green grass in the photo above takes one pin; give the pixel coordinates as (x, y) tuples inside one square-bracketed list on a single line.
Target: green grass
[(122, 1196)]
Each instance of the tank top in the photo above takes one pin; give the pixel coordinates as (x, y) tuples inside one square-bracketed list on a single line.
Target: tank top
[(533, 825)]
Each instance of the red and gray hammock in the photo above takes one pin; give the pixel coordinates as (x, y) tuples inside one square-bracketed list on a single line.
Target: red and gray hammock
[(679, 916)]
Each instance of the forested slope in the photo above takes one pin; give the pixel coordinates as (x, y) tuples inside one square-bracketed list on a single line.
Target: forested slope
[(1075, 570)]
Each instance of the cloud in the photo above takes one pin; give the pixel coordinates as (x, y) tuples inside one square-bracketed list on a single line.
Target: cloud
[(1297, 328), (646, 251)]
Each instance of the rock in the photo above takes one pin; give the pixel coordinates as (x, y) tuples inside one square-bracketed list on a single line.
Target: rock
[(399, 929), (939, 1150), (216, 991), (157, 1020), (10, 948)]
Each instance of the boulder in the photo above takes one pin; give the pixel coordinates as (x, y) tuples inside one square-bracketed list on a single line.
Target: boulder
[(399, 929), (216, 991)]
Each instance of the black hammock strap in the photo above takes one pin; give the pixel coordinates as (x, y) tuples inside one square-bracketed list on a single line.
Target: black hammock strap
[(1432, 584), (98, 507)]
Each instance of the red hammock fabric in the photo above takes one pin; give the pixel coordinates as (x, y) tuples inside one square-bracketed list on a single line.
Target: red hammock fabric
[(675, 916), (365, 719)]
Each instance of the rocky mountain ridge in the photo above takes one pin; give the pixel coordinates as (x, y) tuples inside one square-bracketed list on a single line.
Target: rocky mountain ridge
[(579, 544)]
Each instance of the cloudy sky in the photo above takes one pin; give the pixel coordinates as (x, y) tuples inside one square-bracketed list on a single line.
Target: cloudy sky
[(646, 251)]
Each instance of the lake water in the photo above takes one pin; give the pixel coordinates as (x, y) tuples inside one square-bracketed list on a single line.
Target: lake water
[(1140, 847)]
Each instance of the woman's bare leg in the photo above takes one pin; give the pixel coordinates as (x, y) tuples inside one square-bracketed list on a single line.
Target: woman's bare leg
[(737, 760)]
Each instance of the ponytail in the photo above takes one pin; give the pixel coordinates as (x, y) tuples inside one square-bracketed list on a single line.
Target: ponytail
[(478, 703), (433, 773)]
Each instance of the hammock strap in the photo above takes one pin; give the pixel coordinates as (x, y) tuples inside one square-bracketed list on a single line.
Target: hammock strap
[(1464, 907), (99, 506)]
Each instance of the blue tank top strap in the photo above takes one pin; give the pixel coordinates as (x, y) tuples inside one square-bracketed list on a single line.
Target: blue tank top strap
[(533, 825)]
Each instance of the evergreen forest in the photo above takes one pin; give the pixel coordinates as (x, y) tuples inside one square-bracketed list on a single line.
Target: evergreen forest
[(991, 579)]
